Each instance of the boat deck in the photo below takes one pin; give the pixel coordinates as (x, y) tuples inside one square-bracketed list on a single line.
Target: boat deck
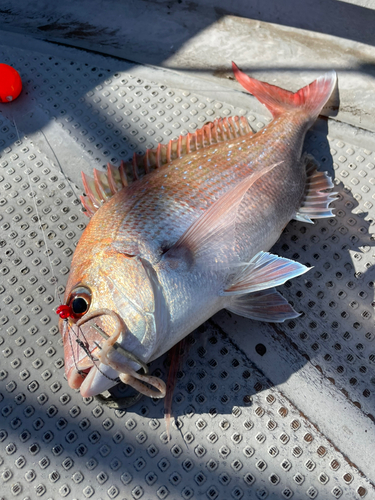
[(260, 410)]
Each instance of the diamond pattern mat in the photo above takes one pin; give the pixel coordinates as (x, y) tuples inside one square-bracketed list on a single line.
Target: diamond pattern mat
[(235, 434)]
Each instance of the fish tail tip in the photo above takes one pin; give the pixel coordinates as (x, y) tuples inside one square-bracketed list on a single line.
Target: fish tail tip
[(312, 98)]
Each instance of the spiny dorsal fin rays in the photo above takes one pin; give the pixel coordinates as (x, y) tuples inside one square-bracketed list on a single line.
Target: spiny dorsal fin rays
[(88, 206), (105, 184), (114, 178), (123, 176), (220, 130), (91, 191), (135, 167), (102, 185)]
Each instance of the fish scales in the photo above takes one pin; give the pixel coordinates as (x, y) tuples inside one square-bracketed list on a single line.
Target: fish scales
[(178, 192), (165, 253)]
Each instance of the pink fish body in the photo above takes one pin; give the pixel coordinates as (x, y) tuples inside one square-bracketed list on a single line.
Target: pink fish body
[(162, 255)]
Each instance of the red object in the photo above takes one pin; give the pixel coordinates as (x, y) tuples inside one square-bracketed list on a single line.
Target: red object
[(64, 312), (10, 83)]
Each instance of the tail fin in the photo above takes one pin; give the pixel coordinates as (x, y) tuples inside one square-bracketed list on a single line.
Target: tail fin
[(311, 98)]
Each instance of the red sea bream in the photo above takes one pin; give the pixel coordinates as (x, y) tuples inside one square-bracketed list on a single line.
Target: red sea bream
[(163, 254)]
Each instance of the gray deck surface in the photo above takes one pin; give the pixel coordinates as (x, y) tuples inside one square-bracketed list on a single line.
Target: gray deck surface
[(261, 411)]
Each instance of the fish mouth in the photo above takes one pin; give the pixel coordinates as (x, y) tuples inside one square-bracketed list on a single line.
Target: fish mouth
[(109, 363), (90, 375), (94, 380)]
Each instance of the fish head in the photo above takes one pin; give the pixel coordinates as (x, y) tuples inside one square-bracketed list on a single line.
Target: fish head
[(111, 302)]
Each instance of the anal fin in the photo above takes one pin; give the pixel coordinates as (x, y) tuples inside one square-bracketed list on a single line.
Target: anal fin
[(316, 202), (266, 305)]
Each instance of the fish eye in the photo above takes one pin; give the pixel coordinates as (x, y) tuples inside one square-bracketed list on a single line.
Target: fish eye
[(80, 300)]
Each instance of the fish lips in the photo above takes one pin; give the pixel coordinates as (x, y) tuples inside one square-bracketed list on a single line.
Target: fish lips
[(84, 372), (97, 379)]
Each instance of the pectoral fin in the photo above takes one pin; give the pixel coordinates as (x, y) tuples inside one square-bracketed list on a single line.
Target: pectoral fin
[(266, 305), (212, 235), (264, 271)]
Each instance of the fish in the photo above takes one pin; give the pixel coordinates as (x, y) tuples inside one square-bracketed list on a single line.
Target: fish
[(161, 255)]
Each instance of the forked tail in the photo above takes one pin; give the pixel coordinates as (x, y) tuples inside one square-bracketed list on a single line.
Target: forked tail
[(311, 98)]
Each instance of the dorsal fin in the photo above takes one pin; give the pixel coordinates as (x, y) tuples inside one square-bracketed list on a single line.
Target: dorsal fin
[(103, 185)]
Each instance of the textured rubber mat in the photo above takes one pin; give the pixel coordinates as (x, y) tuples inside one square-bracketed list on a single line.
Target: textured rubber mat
[(236, 433)]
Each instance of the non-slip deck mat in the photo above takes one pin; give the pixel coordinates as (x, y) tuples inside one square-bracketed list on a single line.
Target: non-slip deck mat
[(236, 435)]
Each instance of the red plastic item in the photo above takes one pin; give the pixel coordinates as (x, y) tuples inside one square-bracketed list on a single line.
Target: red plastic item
[(64, 311), (10, 83)]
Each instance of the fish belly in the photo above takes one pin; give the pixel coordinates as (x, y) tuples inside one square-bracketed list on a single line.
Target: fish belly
[(192, 299)]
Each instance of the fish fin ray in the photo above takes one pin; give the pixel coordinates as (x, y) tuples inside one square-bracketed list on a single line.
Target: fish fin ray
[(265, 305), (114, 178), (220, 130), (91, 191), (106, 184), (311, 98), (208, 238), (101, 187), (265, 270), (303, 218), (316, 202), (87, 204)]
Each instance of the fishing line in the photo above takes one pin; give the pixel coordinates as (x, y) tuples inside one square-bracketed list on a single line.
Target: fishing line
[(83, 344), (60, 167), (86, 348), (54, 280), (48, 252)]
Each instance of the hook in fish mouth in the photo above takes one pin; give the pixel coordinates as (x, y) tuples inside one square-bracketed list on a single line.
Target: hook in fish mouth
[(111, 401), (127, 375)]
